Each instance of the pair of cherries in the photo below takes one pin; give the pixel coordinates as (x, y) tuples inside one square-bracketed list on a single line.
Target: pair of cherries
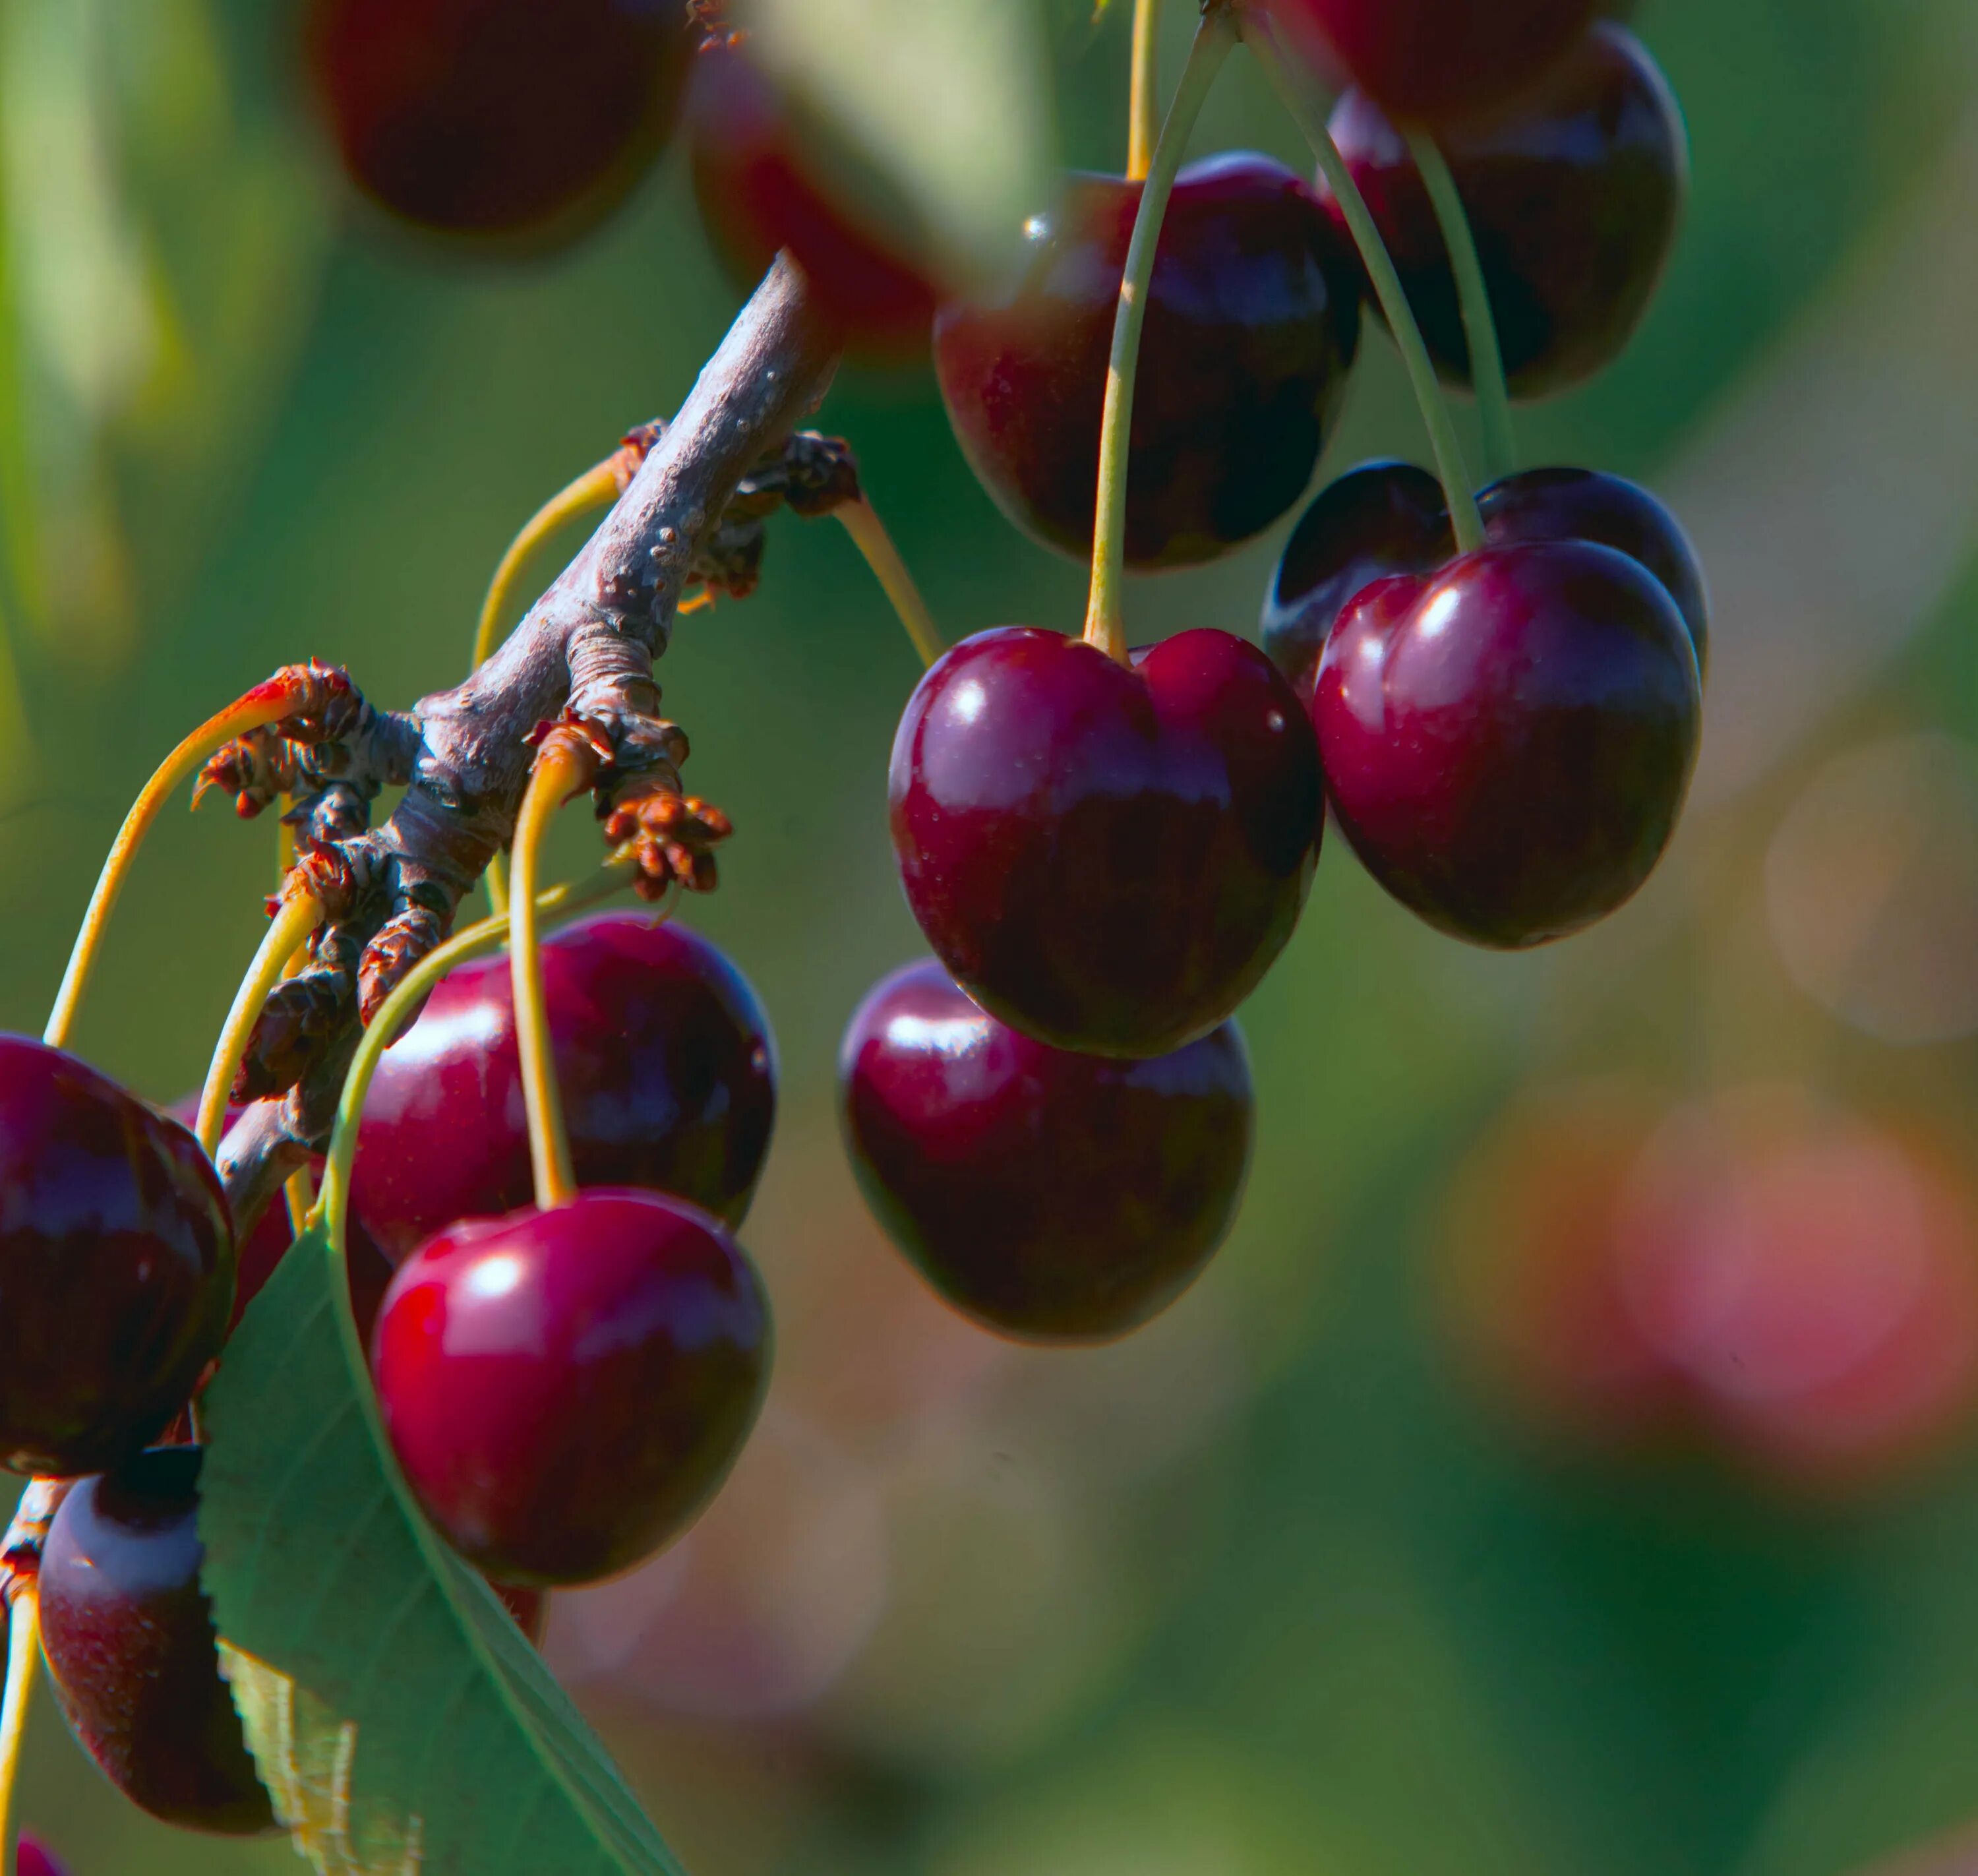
[(546, 1452)]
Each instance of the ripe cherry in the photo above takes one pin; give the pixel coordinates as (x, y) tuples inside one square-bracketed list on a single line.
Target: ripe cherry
[(1054, 1197), (565, 1389), (116, 1265), (1252, 322), (33, 1858), (1108, 859), (131, 1649), (1434, 59), (663, 1056), (759, 192), (1508, 744), (502, 119), (1572, 194), (1389, 518)]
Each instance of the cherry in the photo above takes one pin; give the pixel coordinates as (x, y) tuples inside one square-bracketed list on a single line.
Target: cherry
[(1252, 322), (116, 1265), (663, 1056), (565, 1389), (1435, 59), (758, 193), (1507, 744), (1573, 195), (1108, 859), (131, 1649), (507, 119), (33, 1858), (1388, 518), (1054, 1197)]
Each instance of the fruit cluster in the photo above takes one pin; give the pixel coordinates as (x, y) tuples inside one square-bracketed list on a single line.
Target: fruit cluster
[(1497, 695)]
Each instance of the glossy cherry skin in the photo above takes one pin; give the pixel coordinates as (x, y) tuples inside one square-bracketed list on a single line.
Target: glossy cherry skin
[(1053, 1197), (759, 192), (566, 1389), (1573, 194), (1433, 60), (1108, 859), (664, 1060), (130, 1646), (1508, 744), (1252, 322), (33, 1858), (502, 120), (116, 1265), (1388, 518)]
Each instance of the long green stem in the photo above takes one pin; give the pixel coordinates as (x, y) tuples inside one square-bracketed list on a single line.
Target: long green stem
[(332, 1203), (1144, 111), (297, 916), (868, 534), (1472, 296), (1105, 619), (265, 704), (1307, 110), (23, 1646)]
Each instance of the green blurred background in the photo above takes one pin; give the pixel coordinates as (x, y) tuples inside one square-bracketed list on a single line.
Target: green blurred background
[(1329, 1570)]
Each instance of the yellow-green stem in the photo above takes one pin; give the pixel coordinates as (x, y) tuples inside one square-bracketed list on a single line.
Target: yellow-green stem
[(595, 488), (255, 711), (1144, 117), (562, 768), (1105, 619), (1472, 296), (332, 1202), (1308, 111), (24, 1647), (295, 917), (868, 534)]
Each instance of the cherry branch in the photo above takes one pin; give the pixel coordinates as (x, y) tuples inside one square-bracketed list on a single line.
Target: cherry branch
[(584, 651)]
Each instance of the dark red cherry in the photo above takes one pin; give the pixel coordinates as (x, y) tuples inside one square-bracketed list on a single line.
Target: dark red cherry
[(1434, 59), (663, 1057), (1252, 322), (131, 1649), (1109, 859), (1572, 194), (566, 1389), (33, 1858), (116, 1265), (1052, 1196), (760, 191), (1508, 744), (508, 119), (1388, 518)]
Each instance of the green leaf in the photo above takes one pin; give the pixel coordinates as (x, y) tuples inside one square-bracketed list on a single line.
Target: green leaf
[(946, 102), (399, 1720)]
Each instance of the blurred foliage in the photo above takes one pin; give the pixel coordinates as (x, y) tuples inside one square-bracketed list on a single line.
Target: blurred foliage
[(1270, 1588)]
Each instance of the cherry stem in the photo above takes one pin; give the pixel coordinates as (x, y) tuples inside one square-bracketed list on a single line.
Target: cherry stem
[(297, 915), (869, 535), (24, 1638), (1105, 619), (1472, 296), (1144, 113), (564, 766), (596, 488), (332, 1204), (265, 704), (1288, 80)]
